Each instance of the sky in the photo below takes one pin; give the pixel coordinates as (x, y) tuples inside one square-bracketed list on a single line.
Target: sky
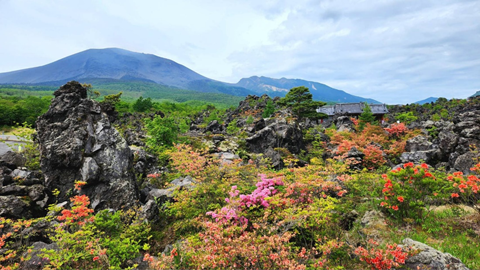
[(395, 51)]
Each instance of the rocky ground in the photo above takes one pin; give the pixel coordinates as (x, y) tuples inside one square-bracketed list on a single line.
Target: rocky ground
[(78, 142)]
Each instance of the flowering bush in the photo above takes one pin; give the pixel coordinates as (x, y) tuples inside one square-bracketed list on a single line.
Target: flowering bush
[(466, 185), (377, 258), (265, 189), (407, 189), (396, 130), (80, 213), (375, 142), (228, 246)]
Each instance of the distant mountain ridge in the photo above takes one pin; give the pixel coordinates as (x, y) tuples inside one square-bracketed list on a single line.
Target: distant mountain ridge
[(427, 100), (280, 87), (122, 65)]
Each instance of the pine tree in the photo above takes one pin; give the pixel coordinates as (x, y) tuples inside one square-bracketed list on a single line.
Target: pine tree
[(366, 117), (299, 99)]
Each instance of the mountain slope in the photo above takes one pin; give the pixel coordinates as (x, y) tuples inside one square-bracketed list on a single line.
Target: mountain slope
[(109, 63), (476, 94), (280, 87), (119, 64), (427, 100), (126, 66)]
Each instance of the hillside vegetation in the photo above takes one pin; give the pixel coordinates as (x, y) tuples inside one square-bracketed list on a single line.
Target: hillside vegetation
[(262, 186)]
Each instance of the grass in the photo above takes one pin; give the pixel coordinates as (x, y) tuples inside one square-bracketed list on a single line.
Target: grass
[(450, 230)]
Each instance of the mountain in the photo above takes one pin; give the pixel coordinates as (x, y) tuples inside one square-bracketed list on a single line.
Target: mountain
[(97, 66), (280, 87), (119, 64), (476, 94), (427, 100)]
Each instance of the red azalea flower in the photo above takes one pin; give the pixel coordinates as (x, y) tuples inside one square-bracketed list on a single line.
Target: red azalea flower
[(400, 198)]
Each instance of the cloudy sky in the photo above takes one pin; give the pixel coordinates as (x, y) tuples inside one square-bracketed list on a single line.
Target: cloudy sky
[(395, 51)]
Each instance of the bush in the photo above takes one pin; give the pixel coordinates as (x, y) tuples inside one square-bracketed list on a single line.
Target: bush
[(407, 192)]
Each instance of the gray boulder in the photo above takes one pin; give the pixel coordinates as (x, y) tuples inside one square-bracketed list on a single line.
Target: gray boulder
[(418, 143), (464, 162), (161, 196), (12, 206), (344, 123), (430, 258), (13, 160), (278, 134)]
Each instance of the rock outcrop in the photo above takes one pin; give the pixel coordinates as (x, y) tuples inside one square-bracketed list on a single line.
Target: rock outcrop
[(430, 258), (22, 194), (77, 142), (277, 134)]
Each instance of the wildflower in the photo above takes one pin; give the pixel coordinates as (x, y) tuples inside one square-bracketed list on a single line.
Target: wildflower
[(455, 195), (425, 166), (395, 208), (427, 174), (79, 184), (96, 258), (409, 164), (400, 198)]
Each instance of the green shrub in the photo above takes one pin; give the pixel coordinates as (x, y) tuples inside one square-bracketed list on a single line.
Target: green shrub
[(406, 117)]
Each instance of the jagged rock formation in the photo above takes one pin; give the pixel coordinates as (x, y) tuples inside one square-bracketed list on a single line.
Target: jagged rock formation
[(252, 103), (77, 142), (446, 143)]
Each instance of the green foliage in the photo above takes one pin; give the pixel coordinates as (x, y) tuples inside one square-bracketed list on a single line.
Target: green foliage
[(19, 110), (142, 105), (366, 117), (112, 99), (436, 117), (249, 120), (107, 243), (407, 191), (92, 94), (214, 114), (299, 99), (232, 128), (269, 109), (161, 93), (406, 117), (162, 133), (433, 131)]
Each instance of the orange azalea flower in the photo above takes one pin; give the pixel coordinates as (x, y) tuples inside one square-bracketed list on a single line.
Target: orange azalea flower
[(409, 164)]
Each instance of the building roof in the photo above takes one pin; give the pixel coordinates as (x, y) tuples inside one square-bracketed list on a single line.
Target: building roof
[(351, 108)]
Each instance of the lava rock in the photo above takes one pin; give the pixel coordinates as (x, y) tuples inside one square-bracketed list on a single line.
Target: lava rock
[(430, 258), (77, 142)]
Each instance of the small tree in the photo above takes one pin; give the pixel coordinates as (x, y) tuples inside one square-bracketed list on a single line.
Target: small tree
[(142, 105), (366, 117), (92, 94), (269, 109), (112, 99), (302, 104)]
